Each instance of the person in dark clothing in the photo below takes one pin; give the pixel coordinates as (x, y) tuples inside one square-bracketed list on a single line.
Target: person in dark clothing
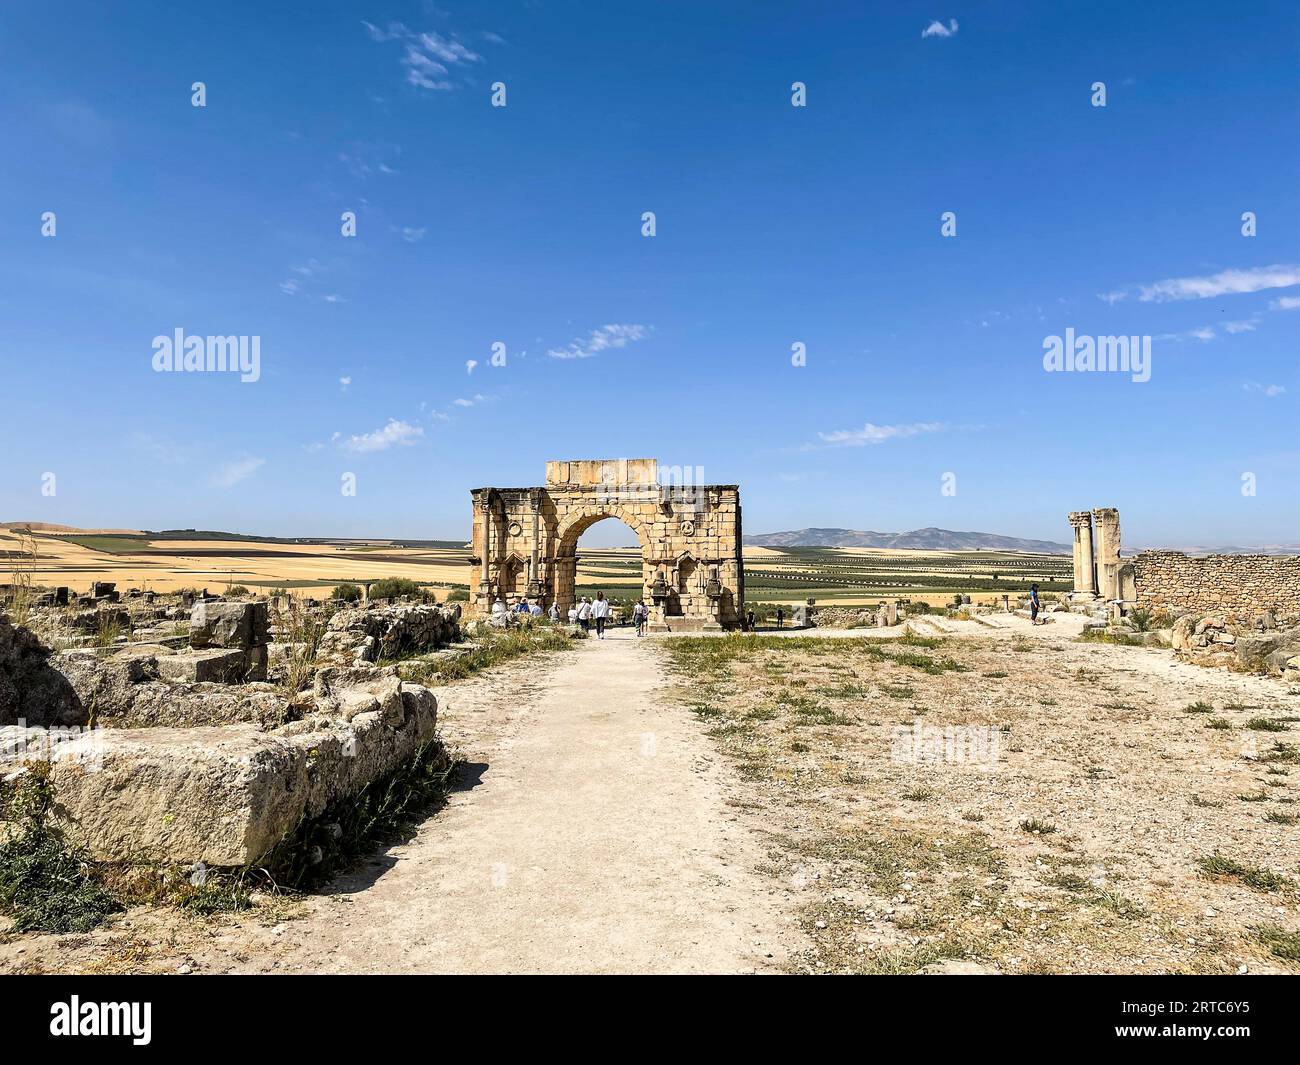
[(1034, 606)]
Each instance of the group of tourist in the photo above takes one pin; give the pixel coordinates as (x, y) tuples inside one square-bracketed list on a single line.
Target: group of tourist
[(584, 613)]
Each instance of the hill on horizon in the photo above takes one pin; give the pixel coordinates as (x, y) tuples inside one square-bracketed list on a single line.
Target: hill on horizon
[(930, 539)]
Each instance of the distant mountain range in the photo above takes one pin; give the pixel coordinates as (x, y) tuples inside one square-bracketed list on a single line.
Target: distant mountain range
[(917, 539)]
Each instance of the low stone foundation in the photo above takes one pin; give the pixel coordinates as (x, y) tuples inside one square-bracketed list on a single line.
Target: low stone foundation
[(225, 796), (358, 637)]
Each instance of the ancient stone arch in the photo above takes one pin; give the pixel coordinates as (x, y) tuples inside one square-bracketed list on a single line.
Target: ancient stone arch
[(525, 540)]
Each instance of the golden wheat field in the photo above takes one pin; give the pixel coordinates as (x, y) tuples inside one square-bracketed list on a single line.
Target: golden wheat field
[(57, 555)]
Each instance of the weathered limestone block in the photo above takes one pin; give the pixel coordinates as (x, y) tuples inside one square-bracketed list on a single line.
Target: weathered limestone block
[(217, 665), (348, 693), (31, 688), (354, 637), (226, 795), (1291, 671), (1182, 632), (235, 625)]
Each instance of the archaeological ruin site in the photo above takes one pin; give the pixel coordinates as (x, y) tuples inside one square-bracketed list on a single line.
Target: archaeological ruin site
[(348, 628), (204, 729)]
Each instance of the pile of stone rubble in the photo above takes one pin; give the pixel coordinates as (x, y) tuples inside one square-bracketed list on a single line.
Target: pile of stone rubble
[(188, 745)]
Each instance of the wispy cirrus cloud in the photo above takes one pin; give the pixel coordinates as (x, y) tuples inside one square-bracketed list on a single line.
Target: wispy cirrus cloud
[(364, 158), (309, 280), (394, 433), (604, 338), (938, 29), (877, 434), (1246, 325), (1285, 303), (1271, 391), (231, 473), (1203, 333), (1224, 283), (428, 58)]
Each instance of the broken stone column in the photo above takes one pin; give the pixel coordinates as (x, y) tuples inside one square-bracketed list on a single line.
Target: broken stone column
[(1107, 552), (1085, 573)]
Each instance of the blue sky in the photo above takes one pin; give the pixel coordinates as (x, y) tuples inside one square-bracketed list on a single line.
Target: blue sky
[(775, 224)]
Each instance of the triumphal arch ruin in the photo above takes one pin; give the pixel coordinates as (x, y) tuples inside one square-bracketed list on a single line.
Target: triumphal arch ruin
[(692, 574)]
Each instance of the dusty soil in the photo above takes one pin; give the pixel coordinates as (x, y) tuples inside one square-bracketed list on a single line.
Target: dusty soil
[(1062, 827)]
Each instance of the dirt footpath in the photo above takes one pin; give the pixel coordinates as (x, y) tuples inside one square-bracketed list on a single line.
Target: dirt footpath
[(595, 838)]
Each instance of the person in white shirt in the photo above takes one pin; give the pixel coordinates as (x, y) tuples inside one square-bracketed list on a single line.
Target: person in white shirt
[(600, 611), (639, 614), (554, 612), (584, 614), (573, 614)]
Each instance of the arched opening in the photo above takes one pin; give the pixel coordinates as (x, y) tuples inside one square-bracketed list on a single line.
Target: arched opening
[(602, 562)]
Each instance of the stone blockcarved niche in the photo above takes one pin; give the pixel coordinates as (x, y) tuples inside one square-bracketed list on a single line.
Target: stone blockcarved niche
[(515, 528), (688, 527)]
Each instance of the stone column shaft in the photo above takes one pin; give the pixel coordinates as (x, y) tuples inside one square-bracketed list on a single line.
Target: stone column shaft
[(1085, 572)]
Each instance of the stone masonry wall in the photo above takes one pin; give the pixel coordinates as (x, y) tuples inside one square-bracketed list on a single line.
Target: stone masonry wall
[(1236, 587)]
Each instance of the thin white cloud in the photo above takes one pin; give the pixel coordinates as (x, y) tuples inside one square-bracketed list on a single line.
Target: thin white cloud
[(395, 433), (344, 382), (604, 338), (412, 235), (309, 279), (1271, 391), (877, 434), (938, 29), (1203, 333), (1245, 326), (428, 58), (449, 50), (1286, 303), (363, 158), (394, 31), (231, 473), (1224, 283)]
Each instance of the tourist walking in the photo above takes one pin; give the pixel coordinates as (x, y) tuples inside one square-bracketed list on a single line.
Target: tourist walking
[(749, 620), (780, 617), (639, 616), (573, 614), (584, 614), (554, 612), (1033, 604), (600, 611)]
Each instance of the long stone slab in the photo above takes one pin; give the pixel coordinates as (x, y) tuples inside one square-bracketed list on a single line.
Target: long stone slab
[(226, 795)]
